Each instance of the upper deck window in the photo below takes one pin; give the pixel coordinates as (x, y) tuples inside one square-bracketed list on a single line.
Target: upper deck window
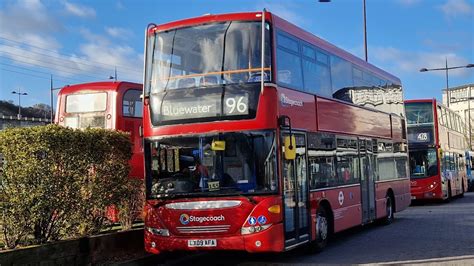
[(132, 103), (86, 102), (207, 55), (419, 113)]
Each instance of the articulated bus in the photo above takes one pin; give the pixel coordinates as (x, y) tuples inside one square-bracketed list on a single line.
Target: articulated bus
[(262, 137), (112, 104), (437, 143)]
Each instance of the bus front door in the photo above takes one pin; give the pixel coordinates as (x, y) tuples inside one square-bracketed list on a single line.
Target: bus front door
[(295, 196), (367, 180)]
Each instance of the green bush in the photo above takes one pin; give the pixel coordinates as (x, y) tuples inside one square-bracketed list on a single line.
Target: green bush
[(130, 206), (57, 182)]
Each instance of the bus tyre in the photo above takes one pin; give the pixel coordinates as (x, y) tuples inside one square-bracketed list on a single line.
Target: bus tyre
[(322, 230), (450, 195), (389, 211)]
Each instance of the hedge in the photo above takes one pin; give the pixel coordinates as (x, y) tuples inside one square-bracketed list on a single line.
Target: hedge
[(57, 182)]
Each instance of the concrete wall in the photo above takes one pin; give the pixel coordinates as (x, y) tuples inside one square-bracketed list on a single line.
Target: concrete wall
[(103, 249)]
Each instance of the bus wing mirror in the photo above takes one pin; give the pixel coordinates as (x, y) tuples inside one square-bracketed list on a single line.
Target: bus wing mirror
[(218, 145), (290, 147)]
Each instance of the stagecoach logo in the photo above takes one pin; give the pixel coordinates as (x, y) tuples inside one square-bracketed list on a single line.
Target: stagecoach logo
[(186, 219), (341, 198), (285, 101)]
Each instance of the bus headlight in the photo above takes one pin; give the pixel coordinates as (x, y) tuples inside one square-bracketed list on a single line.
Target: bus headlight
[(158, 231), (254, 229)]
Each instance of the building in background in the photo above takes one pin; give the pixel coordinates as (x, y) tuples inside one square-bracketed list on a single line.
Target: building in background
[(461, 101)]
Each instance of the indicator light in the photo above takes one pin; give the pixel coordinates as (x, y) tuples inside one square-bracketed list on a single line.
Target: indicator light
[(275, 209)]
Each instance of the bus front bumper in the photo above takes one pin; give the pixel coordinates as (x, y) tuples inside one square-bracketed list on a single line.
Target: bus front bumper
[(270, 240)]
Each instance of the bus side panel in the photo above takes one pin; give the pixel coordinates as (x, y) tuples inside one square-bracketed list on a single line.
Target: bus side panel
[(345, 204), (299, 107), (338, 117), (131, 125), (401, 192), (397, 128)]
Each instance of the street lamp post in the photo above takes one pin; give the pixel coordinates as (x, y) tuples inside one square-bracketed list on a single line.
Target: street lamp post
[(446, 68), (365, 27), (51, 89), (19, 100)]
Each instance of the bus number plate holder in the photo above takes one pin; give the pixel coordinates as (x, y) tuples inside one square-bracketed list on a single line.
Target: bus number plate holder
[(202, 243)]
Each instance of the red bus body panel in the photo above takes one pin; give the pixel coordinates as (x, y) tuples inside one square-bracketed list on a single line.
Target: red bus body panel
[(337, 117)]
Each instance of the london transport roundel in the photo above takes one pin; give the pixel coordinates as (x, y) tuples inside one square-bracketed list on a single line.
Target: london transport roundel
[(340, 198)]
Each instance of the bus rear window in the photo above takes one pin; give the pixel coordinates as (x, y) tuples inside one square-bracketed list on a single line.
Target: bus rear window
[(85, 103)]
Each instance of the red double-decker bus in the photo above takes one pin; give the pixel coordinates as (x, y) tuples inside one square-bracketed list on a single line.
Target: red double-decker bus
[(112, 104), (260, 136), (437, 141)]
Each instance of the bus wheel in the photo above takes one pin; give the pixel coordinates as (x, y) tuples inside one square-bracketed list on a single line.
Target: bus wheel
[(450, 195), (322, 230), (389, 210)]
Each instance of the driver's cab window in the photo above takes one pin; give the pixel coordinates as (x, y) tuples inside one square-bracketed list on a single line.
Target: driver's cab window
[(132, 103)]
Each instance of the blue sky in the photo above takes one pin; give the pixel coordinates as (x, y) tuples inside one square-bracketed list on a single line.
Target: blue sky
[(83, 41)]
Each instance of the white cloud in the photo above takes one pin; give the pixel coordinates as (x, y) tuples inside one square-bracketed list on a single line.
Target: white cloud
[(111, 53), (92, 37), (20, 17), (116, 32), (79, 10), (411, 62), (116, 55), (455, 8), (27, 17), (30, 42)]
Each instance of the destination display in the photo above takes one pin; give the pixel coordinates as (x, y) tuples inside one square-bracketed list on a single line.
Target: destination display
[(420, 135), (204, 105)]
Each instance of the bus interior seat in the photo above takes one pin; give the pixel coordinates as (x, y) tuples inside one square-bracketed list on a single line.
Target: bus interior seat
[(208, 80), (186, 83)]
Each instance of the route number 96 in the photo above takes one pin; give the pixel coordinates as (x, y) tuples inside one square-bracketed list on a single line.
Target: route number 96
[(237, 105)]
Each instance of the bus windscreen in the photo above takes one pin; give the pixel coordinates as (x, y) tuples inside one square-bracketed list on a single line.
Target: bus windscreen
[(207, 55)]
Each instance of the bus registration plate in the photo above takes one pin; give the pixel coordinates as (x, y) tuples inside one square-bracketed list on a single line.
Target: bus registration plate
[(202, 243)]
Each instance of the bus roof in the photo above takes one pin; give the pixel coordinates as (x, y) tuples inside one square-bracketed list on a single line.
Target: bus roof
[(109, 85), (284, 25), (420, 101), (325, 45)]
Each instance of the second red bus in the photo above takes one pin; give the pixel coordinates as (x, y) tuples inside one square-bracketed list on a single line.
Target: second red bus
[(437, 142)]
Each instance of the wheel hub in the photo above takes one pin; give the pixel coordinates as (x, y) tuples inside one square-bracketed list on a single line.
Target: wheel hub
[(322, 227)]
